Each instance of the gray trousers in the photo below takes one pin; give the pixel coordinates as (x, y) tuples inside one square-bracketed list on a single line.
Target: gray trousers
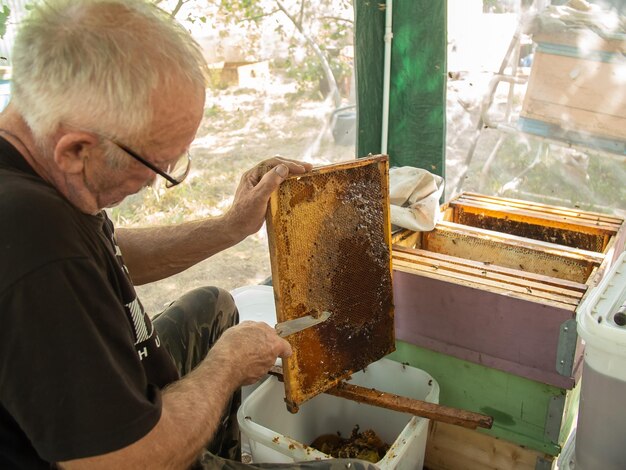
[(188, 328)]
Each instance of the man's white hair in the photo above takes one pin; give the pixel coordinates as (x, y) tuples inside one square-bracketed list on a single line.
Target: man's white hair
[(96, 64)]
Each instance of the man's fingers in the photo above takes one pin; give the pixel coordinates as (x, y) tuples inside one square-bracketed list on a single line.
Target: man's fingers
[(277, 169), (272, 179), (285, 350), (294, 166), (282, 170), (283, 166)]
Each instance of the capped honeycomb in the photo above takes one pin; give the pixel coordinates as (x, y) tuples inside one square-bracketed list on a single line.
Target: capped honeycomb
[(330, 246)]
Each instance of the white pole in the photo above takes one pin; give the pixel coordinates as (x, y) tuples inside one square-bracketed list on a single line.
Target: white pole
[(386, 75)]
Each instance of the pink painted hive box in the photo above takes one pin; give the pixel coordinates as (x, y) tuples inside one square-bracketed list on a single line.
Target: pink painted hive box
[(498, 282)]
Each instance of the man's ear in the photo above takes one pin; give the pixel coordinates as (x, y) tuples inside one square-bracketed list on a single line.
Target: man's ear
[(72, 150)]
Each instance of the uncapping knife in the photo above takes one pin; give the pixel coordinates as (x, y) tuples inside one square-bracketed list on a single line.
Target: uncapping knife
[(290, 327)]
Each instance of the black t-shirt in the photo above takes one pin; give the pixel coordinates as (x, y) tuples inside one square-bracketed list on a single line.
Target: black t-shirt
[(81, 366)]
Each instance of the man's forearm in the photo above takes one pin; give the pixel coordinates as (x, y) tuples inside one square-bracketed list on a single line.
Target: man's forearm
[(192, 411), (152, 254), (155, 253)]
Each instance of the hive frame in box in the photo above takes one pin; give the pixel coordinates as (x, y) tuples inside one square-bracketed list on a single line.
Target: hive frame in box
[(499, 299), (329, 235), (528, 410)]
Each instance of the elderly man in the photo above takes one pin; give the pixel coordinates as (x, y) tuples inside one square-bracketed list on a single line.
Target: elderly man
[(107, 96)]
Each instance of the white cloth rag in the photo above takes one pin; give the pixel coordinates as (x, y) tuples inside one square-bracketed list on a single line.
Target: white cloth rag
[(414, 196)]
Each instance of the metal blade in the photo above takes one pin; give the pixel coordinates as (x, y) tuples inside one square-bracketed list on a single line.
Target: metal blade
[(290, 327)]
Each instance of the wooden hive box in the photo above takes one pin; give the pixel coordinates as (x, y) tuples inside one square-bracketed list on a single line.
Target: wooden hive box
[(498, 282), (454, 448), (575, 91), (531, 419), (245, 74)]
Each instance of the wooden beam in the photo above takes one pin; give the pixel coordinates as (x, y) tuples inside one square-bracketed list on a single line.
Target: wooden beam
[(391, 401)]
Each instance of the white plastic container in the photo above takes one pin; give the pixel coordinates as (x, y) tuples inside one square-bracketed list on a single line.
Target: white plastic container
[(277, 436), (565, 461), (601, 429), (255, 303)]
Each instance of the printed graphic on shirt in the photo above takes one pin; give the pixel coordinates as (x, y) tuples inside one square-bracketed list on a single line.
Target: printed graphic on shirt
[(143, 328), (118, 255), (141, 322)]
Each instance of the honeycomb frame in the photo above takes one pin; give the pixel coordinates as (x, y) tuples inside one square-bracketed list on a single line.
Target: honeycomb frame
[(329, 236)]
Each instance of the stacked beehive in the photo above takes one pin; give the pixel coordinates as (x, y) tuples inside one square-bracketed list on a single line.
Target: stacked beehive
[(575, 90), (486, 303)]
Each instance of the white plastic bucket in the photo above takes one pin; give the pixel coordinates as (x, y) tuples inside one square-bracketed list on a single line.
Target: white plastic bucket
[(255, 303), (601, 429), (565, 460), (276, 435)]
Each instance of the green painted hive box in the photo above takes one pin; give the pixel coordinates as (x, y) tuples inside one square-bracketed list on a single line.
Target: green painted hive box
[(527, 413)]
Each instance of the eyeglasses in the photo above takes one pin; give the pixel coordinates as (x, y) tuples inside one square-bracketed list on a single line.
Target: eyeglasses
[(174, 173)]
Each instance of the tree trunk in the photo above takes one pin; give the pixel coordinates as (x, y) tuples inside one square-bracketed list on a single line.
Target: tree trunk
[(332, 83)]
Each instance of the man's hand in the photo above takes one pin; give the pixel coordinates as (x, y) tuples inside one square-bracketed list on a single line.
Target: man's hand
[(247, 213), (154, 253), (193, 406), (250, 349)]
